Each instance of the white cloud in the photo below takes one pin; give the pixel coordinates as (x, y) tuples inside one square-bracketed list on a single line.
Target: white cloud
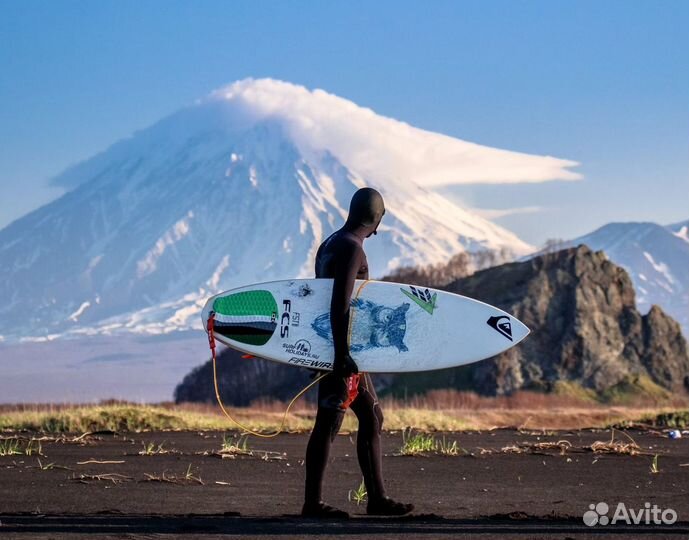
[(384, 148), (497, 213)]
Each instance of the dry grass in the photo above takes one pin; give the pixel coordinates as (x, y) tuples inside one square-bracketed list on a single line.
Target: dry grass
[(106, 477), (541, 447), (440, 410), (616, 446), (102, 462), (562, 446), (187, 477)]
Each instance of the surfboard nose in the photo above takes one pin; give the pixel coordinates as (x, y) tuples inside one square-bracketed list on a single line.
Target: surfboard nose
[(508, 326), (519, 330)]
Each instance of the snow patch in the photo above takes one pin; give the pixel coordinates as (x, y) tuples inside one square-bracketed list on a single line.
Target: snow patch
[(252, 176), (683, 233), (661, 268), (83, 307), (178, 231)]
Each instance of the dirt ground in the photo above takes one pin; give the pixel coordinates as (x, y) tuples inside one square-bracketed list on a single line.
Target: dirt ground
[(505, 485)]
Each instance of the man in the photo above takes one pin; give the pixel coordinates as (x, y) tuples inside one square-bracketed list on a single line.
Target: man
[(341, 258)]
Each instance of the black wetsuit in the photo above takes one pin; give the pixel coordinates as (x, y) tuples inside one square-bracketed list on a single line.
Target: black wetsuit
[(341, 257)]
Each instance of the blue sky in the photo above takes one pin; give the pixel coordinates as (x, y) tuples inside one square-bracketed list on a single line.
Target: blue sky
[(605, 83)]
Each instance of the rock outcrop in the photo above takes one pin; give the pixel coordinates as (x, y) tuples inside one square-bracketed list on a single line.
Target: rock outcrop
[(585, 326)]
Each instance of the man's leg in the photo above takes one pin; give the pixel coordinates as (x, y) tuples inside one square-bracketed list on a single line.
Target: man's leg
[(369, 452), (332, 392)]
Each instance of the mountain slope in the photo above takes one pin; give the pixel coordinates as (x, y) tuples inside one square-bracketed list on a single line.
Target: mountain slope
[(239, 188), (657, 260)]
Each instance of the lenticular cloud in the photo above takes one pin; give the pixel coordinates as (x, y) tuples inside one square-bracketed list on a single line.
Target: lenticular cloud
[(381, 147)]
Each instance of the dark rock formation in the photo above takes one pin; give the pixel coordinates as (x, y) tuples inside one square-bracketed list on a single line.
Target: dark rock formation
[(584, 325)]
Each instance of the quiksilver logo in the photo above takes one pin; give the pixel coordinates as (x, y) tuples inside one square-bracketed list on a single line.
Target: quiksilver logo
[(502, 324)]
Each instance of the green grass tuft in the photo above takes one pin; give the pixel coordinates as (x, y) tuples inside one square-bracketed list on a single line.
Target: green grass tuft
[(232, 445), (446, 448), (10, 447), (654, 465), (417, 443), (152, 449), (358, 495)]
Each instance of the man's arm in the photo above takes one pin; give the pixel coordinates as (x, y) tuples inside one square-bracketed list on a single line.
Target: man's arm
[(346, 267)]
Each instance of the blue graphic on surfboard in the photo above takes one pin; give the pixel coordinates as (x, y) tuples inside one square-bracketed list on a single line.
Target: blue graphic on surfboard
[(377, 326)]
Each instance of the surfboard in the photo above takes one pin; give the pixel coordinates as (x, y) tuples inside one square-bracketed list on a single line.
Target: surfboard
[(393, 327)]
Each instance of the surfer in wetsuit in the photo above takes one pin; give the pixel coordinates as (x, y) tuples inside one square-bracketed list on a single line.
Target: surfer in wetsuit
[(341, 258)]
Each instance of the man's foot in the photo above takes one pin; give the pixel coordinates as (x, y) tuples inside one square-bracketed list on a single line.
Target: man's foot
[(322, 510), (385, 506)]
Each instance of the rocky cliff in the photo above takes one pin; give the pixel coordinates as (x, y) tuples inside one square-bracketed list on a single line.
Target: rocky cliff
[(585, 329), (585, 326)]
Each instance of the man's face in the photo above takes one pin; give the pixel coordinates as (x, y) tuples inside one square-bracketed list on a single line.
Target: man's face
[(375, 229)]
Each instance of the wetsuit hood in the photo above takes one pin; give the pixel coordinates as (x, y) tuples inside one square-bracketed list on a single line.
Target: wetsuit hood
[(366, 209)]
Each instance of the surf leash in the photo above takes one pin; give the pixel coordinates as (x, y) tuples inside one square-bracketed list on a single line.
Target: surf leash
[(211, 342)]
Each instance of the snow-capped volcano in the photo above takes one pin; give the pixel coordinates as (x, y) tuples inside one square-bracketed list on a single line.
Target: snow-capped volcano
[(240, 187)]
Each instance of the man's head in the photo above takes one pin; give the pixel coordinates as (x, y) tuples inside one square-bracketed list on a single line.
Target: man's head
[(366, 209)]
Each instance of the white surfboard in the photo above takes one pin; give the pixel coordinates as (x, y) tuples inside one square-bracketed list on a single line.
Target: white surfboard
[(393, 327)]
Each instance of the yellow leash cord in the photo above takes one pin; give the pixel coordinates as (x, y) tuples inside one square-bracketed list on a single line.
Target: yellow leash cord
[(211, 340), (284, 416)]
